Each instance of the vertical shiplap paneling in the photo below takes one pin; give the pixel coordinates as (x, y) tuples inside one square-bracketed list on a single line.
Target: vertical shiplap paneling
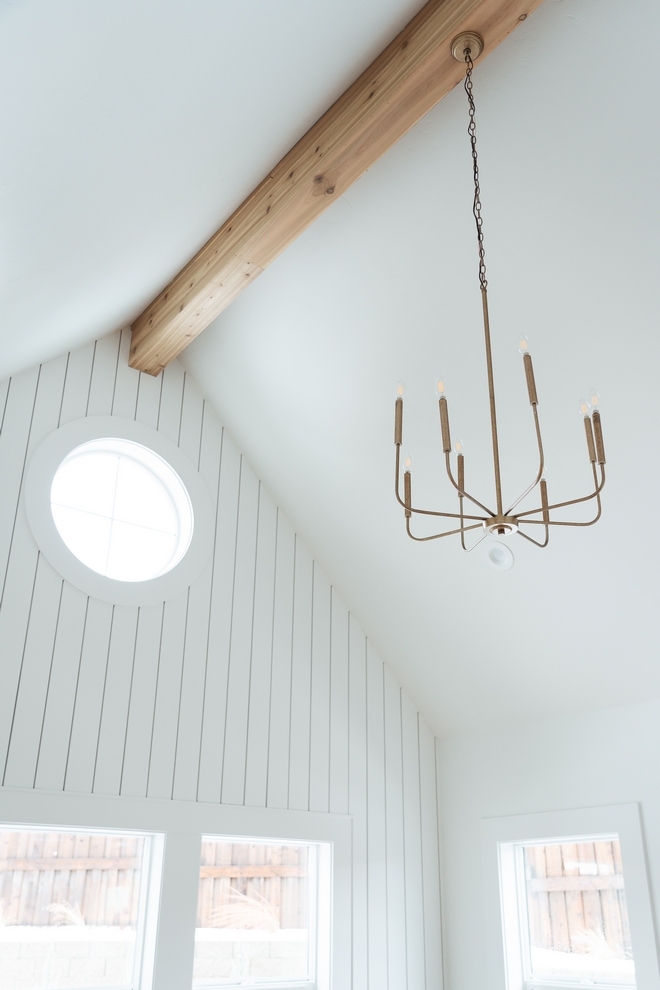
[(168, 692), (376, 816), (147, 405), (189, 719), (414, 903), (201, 441), (217, 661), (88, 699), (32, 658), (319, 693), (254, 686), (115, 701), (430, 859), (97, 645), (60, 702), (242, 613), (104, 373), (124, 396), (15, 594), (396, 891), (339, 703), (170, 410), (175, 622), (280, 683), (258, 729), (17, 422), (33, 679), (58, 715), (301, 668), (142, 702), (357, 796), (77, 384)]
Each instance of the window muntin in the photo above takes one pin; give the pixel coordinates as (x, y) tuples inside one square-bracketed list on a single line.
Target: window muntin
[(573, 913), (72, 908), (256, 916), (121, 509)]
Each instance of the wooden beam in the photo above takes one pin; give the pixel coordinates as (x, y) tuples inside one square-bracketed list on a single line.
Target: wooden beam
[(406, 81)]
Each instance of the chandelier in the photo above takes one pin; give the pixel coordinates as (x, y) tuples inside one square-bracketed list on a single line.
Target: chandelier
[(502, 522)]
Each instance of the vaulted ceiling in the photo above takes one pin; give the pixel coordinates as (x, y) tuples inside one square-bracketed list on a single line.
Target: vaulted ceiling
[(132, 129)]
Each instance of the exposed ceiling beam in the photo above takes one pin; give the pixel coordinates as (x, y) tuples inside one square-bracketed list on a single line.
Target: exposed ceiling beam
[(406, 81)]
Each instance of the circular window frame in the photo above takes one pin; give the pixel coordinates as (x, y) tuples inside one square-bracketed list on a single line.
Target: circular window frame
[(39, 479)]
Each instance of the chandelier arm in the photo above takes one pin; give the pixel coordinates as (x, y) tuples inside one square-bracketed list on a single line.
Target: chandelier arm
[(574, 501), (536, 542), (422, 512), (464, 530), (467, 494), (541, 463), (447, 515), (437, 536), (425, 512), (397, 476), (550, 522)]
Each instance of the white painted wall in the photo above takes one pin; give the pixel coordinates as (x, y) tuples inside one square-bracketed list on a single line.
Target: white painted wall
[(255, 687), (597, 758)]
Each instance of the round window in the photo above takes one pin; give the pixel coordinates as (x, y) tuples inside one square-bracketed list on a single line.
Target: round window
[(121, 509)]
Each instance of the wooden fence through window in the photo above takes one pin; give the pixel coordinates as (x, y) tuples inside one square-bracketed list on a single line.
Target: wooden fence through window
[(52, 878), (576, 897), (237, 878)]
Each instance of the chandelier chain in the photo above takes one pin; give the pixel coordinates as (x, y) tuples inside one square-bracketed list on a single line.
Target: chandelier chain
[(476, 207)]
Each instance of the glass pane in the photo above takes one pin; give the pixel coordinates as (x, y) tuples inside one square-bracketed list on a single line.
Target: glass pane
[(578, 920), (68, 909), (252, 913)]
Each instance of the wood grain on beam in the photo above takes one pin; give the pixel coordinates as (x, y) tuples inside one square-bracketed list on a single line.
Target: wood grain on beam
[(406, 81)]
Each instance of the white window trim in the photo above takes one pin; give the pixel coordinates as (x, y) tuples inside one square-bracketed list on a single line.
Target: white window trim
[(183, 823), (42, 469), (503, 938)]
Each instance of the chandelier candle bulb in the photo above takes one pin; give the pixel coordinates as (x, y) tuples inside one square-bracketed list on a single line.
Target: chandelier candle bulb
[(590, 439), (444, 426), (529, 375), (398, 422), (598, 432)]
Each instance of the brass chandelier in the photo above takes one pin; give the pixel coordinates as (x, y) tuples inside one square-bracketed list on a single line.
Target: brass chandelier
[(500, 522)]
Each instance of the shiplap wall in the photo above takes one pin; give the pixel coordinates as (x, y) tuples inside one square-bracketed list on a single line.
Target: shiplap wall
[(256, 686)]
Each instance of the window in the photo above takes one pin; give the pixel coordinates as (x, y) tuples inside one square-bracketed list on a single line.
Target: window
[(573, 912), (121, 509), (257, 913), (568, 902), (113, 895), (73, 908)]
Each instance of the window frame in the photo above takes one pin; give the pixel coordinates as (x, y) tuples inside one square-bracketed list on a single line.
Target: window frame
[(42, 468), (502, 841), (182, 825)]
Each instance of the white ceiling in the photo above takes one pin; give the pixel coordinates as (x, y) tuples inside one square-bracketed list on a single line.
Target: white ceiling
[(134, 128)]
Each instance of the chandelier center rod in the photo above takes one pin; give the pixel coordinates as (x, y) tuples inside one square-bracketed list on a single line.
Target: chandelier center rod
[(476, 210)]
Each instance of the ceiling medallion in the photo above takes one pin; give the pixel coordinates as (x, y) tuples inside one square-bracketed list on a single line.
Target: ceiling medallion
[(502, 522)]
